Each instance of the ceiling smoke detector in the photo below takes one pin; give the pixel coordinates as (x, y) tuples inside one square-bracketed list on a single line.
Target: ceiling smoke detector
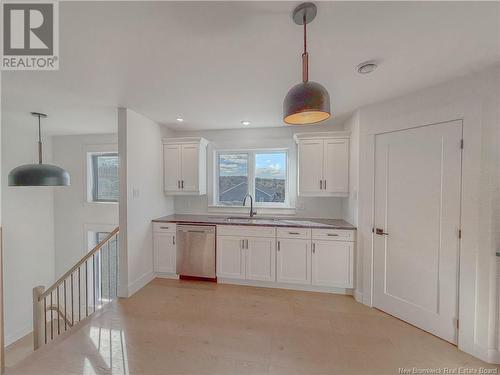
[(366, 67)]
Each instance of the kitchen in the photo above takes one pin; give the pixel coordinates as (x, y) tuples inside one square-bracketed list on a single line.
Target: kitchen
[(259, 248)]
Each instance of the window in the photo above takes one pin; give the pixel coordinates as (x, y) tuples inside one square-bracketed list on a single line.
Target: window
[(105, 180), (263, 174), (270, 177), (233, 178), (106, 265)]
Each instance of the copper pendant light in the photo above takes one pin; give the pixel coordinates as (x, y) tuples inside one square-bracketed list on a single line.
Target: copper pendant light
[(39, 174), (307, 102)]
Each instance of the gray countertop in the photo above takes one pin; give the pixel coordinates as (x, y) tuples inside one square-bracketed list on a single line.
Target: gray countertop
[(267, 221)]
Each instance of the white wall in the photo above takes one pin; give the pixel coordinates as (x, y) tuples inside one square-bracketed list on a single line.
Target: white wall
[(28, 228), (141, 196), (259, 138), (475, 99), (73, 214), (350, 209)]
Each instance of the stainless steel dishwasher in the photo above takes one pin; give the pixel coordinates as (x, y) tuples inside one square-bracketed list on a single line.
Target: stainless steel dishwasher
[(196, 252)]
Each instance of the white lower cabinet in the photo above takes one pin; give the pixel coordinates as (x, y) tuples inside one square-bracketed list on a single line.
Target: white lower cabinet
[(246, 258), (317, 259), (230, 260), (332, 263), (164, 249), (260, 259), (294, 261)]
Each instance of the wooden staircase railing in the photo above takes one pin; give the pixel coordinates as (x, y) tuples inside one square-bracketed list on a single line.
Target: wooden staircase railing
[(89, 285)]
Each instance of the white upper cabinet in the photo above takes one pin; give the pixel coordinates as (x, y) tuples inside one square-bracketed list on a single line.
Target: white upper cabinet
[(323, 161), (185, 166)]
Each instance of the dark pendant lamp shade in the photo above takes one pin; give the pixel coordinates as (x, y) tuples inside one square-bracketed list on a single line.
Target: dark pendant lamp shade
[(39, 174), (307, 102)]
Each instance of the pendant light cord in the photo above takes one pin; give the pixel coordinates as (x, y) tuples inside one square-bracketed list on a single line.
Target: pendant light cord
[(305, 55), (39, 141)]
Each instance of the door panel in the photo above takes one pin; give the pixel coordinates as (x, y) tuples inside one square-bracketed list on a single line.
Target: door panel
[(230, 258), (417, 203), (164, 252), (332, 263), (171, 165), (189, 168), (336, 167), (261, 259), (294, 261), (310, 166)]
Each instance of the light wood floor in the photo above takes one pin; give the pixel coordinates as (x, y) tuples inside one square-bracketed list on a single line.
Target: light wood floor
[(174, 327)]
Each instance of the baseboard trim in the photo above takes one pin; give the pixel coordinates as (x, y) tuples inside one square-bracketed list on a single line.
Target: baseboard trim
[(140, 283), (491, 356), (270, 284), (166, 275), (13, 337), (358, 296)]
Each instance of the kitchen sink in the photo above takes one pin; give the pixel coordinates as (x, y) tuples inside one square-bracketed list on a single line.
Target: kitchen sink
[(246, 219)]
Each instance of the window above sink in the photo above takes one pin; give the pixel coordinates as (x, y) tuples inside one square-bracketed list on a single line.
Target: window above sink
[(262, 173)]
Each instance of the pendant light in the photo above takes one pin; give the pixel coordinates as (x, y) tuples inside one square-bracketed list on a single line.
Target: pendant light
[(307, 102), (38, 174)]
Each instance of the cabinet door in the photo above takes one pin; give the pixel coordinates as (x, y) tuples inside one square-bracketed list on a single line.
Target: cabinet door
[(310, 166), (294, 261), (189, 163), (164, 252), (336, 166), (261, 259), (332, 263), (230, 257), (171, 167)]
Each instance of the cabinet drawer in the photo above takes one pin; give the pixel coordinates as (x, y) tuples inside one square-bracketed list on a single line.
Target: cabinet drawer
[(164, 227), (245, 231), (302, 233), (333, 234)]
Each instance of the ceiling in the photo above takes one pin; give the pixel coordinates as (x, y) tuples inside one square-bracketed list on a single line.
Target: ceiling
[(218, 63)]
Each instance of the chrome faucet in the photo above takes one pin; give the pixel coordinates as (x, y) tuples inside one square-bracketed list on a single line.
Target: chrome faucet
[(252, 212)]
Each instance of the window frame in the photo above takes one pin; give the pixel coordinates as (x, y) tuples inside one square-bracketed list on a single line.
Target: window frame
[(252, 176), (94, 182)]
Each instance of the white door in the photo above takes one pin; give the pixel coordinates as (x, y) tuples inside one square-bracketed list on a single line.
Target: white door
[(294, 261), (189, 179), (261, 259), (171, 165), (417, 213), (310, 166), (230, 257), (336, 166), (164, 252), (332, 263)]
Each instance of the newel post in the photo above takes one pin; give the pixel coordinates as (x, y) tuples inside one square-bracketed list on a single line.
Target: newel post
[(38, 318)]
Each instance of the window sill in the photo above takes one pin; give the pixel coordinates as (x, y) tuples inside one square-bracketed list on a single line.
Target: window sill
[(91, 203), (245, 210)]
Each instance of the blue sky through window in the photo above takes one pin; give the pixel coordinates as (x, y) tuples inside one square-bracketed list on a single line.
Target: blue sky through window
[(233, 165), (270, 165)]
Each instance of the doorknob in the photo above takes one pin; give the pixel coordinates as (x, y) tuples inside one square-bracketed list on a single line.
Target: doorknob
[(380, 232)]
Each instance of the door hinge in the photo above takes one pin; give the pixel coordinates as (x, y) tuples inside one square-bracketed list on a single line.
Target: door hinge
[(457, 322), (460, 234), (462, 143), (373, 230)]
